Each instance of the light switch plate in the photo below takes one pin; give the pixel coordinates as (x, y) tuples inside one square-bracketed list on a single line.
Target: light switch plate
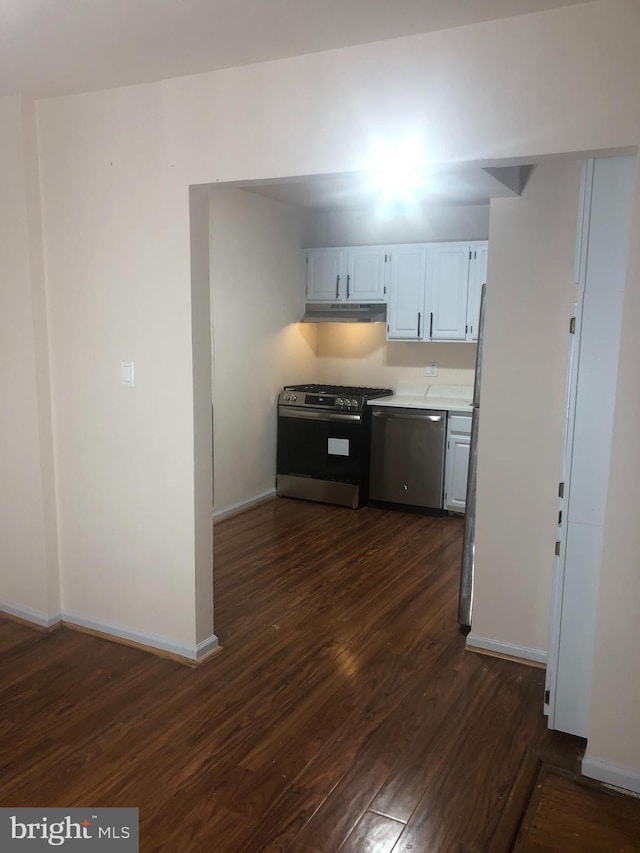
[(126, 374), (430, 370)]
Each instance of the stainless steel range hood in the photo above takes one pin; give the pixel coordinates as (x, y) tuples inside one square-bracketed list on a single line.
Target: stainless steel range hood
[(348, 312)]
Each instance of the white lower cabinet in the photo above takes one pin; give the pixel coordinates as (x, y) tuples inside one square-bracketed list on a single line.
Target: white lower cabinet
[(457, 461)]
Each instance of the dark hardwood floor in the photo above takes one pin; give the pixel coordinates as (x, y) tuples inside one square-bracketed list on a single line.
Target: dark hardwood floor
[(343, 713), (578, 815)]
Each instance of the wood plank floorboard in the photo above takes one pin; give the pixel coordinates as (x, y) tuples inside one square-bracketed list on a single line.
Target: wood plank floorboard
[(578, 816), (343, 713)]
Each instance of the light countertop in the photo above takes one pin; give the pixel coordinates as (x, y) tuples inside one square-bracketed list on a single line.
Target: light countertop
[(450, 398)]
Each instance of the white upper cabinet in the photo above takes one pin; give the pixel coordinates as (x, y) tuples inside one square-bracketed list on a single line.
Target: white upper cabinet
[(432, 289), (406, 267), (447, 288), (326, 280), (353, 274), (455, 275), (365, 274), (477, 277)]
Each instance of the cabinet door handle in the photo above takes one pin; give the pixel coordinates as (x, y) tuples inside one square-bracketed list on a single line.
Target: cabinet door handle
[(431, 325), (348, 280), (419, 318), (337, 287)]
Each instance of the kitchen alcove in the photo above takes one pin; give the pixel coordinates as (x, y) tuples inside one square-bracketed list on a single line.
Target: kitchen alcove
[(332, 342)]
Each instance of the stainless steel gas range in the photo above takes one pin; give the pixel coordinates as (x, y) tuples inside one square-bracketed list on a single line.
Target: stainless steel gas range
[(324, 439)]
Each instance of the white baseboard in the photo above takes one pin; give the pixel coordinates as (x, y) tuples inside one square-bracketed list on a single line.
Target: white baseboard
[(153, 641), (39, 619), (510, 650), (206, 647), (28, 614), (612, 774), (218, 515)]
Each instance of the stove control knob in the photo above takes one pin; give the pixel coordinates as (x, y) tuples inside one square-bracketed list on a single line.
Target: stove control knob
[(293, 398), (348, 402), (286, 398), (340, 401)]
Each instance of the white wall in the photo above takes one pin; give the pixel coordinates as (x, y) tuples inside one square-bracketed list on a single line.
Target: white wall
[(116, 168), (119, 280), (258, 343), (423, 225), (203, 427), (530, 291), (28, 536)]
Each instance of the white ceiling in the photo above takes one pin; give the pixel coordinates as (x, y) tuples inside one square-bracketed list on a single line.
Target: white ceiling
[(53, 47)]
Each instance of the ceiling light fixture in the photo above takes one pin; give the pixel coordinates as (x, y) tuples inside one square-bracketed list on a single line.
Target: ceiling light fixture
[(398, 170)]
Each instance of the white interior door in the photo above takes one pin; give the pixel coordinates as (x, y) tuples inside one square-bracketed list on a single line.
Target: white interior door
[(603, 250)]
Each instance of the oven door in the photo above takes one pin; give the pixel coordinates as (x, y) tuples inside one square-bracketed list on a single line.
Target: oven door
[(321, 445), (322, 456)]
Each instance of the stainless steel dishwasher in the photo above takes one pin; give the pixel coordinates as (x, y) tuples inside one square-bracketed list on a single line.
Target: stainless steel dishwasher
[(407, 456)]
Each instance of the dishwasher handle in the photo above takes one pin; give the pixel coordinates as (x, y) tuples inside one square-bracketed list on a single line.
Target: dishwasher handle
[(414, 416)]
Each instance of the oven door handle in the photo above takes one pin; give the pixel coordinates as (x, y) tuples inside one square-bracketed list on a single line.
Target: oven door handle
[(306, 414)]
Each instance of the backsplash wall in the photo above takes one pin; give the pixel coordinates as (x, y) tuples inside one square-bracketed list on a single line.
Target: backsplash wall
[(359, 354)]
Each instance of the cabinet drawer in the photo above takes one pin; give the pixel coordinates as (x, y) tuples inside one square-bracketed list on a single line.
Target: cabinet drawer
[(460, 424)]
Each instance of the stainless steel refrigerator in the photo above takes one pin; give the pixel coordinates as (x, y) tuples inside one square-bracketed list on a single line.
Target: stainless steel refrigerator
[(465, 600)]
